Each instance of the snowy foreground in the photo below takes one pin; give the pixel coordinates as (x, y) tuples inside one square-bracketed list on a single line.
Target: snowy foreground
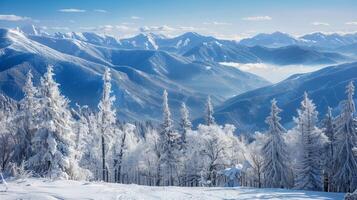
[(40, 189)]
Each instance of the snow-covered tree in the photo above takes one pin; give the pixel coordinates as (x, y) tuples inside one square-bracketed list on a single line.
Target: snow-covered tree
[(345, 162), (275, 157), (308, 169), (106, 120), (216, 141), (126, 142), (52, 144), (7, 129), (185, 124), (26, 119), (209, 112), (329, 131), (169, 144)]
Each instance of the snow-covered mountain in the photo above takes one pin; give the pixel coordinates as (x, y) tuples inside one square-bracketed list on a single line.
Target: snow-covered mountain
[(326, 87), (276, 39), (318, 40), (139, 76), (329, 40)]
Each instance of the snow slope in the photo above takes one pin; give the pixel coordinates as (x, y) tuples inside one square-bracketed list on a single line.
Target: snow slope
[(40, 189)]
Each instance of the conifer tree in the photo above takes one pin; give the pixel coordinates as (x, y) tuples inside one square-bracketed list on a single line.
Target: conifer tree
[(106, 120), (275, 157), (309, 172), (345, 162)]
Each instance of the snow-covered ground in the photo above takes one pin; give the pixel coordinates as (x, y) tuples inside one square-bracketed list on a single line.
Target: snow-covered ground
[(40, 189)]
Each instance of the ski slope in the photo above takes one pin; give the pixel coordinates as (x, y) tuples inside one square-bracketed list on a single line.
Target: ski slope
[(41, 189)]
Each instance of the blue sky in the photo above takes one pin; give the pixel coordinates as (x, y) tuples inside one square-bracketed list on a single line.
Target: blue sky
[(231, 19)]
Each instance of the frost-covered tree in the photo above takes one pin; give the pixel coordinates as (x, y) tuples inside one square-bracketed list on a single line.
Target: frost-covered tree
[(345, 162), (126, 142), (275, 156), (216, 141), (329, 131), (106, 120), (52, 144), (169, 144), (7, 129), (209, 112), (185, 124), (308, 171), (26, 120)]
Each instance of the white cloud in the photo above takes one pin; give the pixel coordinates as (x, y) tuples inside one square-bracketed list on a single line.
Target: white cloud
[(88, 28), (163, 28), (216, 23), (100, 10), (59, 28), (135, 17), (320, 24), (351, 23), (221, 23), (257, 18), (13, 18), (72, 10)]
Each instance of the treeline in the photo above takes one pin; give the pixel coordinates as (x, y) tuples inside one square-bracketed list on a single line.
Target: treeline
[(42, 136)]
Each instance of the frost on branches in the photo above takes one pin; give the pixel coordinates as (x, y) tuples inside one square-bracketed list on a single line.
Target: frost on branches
[(311, 141), (52, 144), (345, 162), (275, 165)]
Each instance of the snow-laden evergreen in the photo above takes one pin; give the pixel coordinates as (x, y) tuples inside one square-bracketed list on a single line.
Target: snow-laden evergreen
[(329, 131), (185, 124), (169, 144), (209, 112), (309, 169), (345, 162), (52, 144), (26, 119), (106, 120), (275, 156)]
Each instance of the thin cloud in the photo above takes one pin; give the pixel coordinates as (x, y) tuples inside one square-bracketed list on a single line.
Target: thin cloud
[(72, 10), (60, 28), (221, 23), (257, 18), (13, 18), (351, 23), (163, 28), (135, 17), (217, 23), (100, 10), (320, 24)]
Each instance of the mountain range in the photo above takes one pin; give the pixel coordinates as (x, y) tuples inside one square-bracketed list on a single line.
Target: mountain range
[(139, 76), (187, 66), (326, 87)]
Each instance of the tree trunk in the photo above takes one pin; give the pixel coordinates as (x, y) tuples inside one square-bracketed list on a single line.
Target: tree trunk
[(103, 159)]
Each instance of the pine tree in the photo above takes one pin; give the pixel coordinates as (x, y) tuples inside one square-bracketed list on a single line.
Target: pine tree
[(309, 172), (52, 143), (106, 120), (209, 112), (27, 119), (169, 143), (329, 131), (345, 162), (185, 123), (275, 157)]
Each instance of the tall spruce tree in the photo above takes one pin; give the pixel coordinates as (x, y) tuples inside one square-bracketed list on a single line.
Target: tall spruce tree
[(106, 120), (169, 144), (209, 112), (345, 162), (275, 157), (53, 141), (309, 172), (185, 124)]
